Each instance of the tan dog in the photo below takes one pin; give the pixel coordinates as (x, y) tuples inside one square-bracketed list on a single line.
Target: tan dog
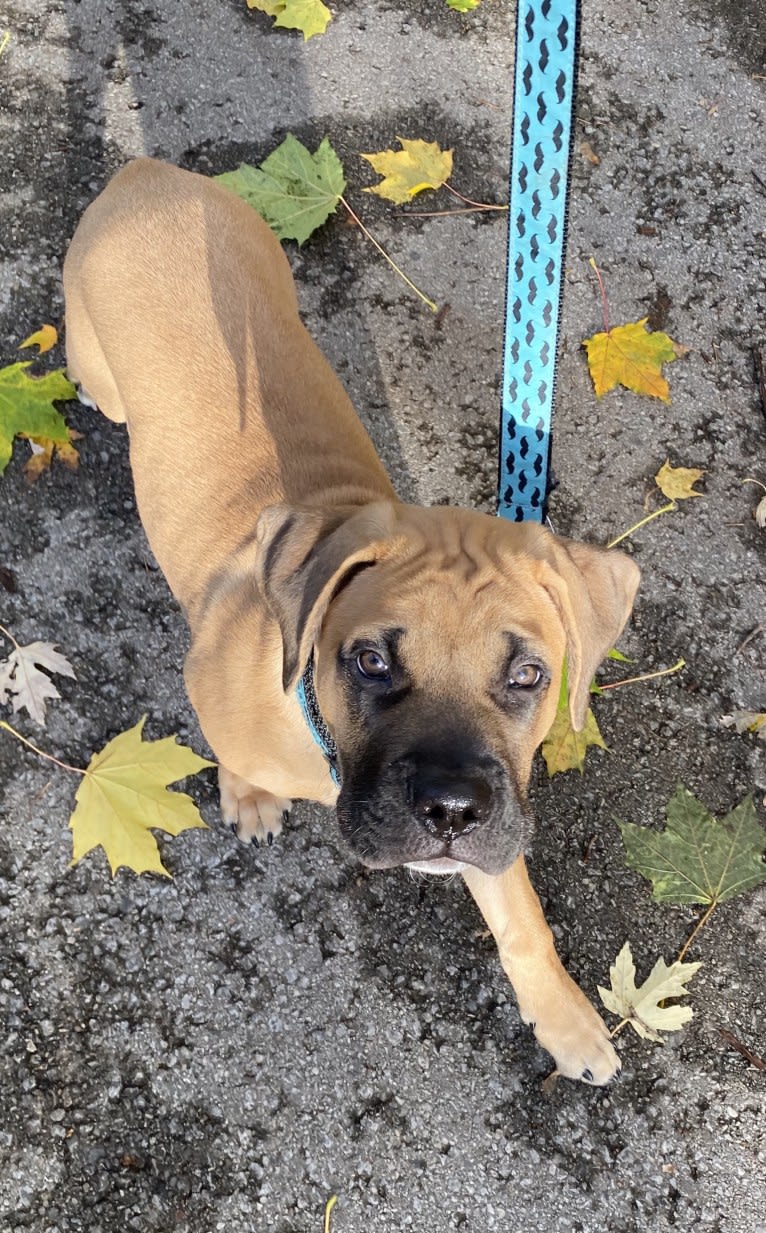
[(437, 636)]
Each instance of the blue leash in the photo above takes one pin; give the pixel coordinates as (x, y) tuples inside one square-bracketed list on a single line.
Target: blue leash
[(543, 107)]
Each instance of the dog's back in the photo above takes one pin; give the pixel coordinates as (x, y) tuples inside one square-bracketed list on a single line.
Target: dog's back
[(182, 320)]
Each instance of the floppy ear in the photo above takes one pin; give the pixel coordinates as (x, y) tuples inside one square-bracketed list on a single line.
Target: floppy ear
[(305, 555), (593, 589)]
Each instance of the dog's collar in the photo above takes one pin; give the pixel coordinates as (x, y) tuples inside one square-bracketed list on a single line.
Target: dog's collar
[(314, 720)]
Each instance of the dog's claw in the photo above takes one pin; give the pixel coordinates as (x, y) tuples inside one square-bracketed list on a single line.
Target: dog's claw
[(285, 817), (255, 841), (270, 839), (587, 1075), (233, 828)]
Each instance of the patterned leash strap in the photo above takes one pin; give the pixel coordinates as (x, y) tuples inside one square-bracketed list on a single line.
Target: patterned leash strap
[(543, 109)]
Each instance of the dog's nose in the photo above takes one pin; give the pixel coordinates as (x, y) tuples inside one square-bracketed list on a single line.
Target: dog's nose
[(450, 805)]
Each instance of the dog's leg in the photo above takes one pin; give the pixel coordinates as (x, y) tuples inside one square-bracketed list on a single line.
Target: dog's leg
[(255, 816), (563, 1019)]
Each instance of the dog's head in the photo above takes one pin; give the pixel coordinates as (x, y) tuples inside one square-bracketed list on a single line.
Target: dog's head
[(439, 638)]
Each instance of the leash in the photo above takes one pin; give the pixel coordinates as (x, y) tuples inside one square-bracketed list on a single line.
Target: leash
[(543, 109)]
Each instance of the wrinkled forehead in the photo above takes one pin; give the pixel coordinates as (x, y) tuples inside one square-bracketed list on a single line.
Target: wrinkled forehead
[(450, 603)]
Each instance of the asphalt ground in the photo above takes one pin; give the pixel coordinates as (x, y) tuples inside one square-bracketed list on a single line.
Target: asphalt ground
[(225, 1051)]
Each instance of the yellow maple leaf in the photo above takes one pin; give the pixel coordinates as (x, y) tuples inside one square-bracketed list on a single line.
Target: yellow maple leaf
[(677, 483), (308, 16), (564, 749), (44, 339), (418, 165), (632, 356), (124, 795)]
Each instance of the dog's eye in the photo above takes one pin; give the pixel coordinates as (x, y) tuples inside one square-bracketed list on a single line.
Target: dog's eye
[(524, 676), (372, 665)]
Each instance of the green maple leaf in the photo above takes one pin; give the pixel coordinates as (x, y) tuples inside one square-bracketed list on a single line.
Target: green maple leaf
[(124, 794), (294, 190), (462, 6), (698, 858), (308, 16), (26, 406), (640, 1006)]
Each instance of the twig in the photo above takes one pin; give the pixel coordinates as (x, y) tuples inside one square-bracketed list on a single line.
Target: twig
[(752, 1058), (703, 920), (647, 676), (760, 372), (64, 765), (434, 307), (666, 509), (753, 634), (4, 41), (758, 180)]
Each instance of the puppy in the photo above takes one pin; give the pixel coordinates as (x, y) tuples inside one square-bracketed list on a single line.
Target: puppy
[(401, 663)]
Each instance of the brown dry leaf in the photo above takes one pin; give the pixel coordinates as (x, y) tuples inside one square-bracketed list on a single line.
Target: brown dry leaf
[(589, 154), (43, 450)]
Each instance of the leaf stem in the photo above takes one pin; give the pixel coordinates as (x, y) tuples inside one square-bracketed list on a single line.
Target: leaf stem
[(434, 307), (9, 636), (602, 288), (446, 213), (616, 1031), (646, 676), (64, 765), (666, 509), (703, 920), (330, 1204), (4, 41), (477, 205)]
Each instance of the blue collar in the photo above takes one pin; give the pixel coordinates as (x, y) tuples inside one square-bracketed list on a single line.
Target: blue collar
[(315, 723)]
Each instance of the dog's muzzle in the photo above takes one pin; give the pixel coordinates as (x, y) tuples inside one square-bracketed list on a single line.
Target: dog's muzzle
[(436, 816)]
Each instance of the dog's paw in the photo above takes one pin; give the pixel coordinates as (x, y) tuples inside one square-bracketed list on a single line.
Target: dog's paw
[(576, 1035), (254, 816)]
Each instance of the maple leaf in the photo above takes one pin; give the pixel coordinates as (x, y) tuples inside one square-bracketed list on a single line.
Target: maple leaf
[(21, 681), (641, 1006), (26, 407), (677, 483), (632, 356), (124, 795), (462, 6), (417, 166), (308, 16), (563, 748), (698, 858), (294, 190), (44, 339), (42, 455)]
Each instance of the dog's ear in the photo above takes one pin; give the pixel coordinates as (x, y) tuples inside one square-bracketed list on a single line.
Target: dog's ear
[(306, 555), (593, 589)]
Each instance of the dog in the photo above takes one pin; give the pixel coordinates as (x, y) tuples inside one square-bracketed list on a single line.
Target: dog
[(398, 662)]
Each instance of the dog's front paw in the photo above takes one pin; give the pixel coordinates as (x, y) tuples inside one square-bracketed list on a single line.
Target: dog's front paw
[(567, 1026), (255, 816)]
